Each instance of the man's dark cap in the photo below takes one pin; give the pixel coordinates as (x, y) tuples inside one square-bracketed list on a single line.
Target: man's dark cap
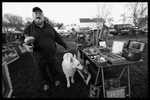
[(37, 9)]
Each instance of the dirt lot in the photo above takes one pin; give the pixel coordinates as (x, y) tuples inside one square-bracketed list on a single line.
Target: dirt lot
[(27, 83)]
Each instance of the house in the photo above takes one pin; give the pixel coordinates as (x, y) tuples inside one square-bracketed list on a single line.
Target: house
[(143, 23)]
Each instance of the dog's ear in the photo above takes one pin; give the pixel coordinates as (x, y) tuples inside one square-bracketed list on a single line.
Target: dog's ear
[(71, 59), (75, 57)]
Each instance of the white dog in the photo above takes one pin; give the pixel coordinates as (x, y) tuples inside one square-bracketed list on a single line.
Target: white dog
[(69, 66)]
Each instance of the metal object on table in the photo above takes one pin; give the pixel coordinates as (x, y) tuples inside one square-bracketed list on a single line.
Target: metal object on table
[(113, 58), (134, 50)]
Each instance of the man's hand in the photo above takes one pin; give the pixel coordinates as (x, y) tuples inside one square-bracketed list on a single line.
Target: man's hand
[(28, 48)]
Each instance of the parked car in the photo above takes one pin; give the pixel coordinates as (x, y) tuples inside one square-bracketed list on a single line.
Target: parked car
[(125, 31), (145, 29), (113, 31), (141, 31), (122, 29)]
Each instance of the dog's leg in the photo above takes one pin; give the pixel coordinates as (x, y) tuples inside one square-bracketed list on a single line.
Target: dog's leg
[(72, 79), (68, 82)]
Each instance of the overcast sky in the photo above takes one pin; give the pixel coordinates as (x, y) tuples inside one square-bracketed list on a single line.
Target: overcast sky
[(65, 12)]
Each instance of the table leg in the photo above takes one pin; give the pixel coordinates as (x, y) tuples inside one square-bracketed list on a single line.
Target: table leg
[(122, 72), (103, 82), (97, 75), (129, 81)]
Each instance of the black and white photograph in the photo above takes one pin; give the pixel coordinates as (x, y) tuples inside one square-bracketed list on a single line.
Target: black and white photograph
[(94, 92), (61, 49)]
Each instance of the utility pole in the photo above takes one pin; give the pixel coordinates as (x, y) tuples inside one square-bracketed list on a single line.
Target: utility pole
[(124, 18)]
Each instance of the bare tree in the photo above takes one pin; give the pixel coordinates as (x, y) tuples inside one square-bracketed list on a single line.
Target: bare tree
[(5, 25), (110, 20), (59, 25), (137, 10), (14, 20), (124, 18), (103, 12)]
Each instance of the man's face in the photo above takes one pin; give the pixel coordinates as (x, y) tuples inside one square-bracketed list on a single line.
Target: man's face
[(38, 17)]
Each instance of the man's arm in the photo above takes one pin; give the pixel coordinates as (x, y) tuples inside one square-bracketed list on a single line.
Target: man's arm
[(59, 40), (25, 33)]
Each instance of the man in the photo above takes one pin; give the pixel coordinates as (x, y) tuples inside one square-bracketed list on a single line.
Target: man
[(44, 48)]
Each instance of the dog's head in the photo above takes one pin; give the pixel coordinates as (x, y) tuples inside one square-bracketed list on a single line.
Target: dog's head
[(72, 59), (75, 63)]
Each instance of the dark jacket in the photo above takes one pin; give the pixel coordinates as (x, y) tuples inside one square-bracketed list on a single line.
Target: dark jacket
[(45, 39)]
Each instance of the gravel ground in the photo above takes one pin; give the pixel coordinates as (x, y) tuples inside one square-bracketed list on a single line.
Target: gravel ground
[(27, 83)]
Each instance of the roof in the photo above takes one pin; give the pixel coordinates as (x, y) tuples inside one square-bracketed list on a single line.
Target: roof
[(122, 24), (87, 20)]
